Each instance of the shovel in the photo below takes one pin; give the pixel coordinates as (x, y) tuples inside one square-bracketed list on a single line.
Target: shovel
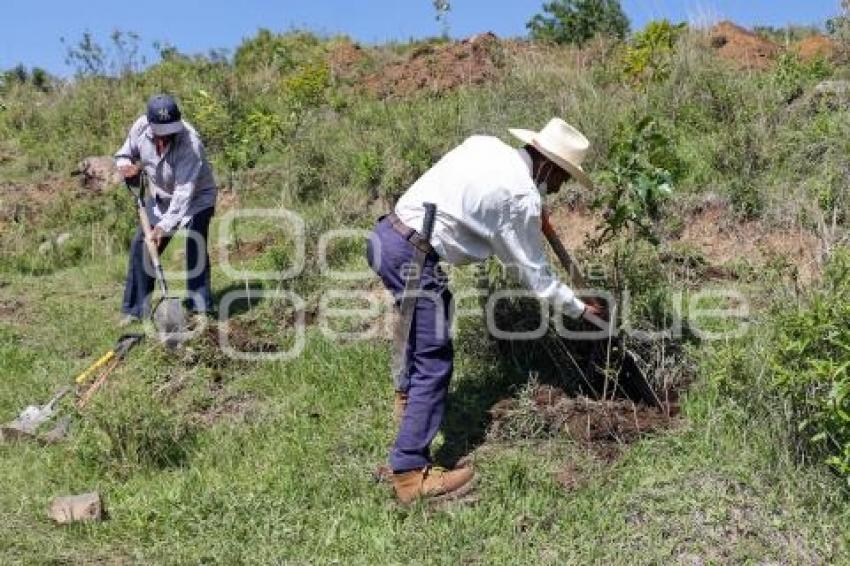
[(32, 417), (168, 314), (630, 365)]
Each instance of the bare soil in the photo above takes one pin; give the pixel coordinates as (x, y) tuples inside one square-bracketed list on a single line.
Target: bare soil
[(584, 420), (741, 47), (439, 69), (816, 46), (346, 60), (244, 336), (712, 229)]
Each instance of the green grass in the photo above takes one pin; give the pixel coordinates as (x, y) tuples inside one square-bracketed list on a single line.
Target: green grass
[(290, 478)]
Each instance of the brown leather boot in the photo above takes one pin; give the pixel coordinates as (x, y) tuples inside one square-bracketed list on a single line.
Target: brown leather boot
[(432, 482), (399, 406)]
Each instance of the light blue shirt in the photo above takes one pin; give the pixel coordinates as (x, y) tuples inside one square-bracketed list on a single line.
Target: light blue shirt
[(181, 180)]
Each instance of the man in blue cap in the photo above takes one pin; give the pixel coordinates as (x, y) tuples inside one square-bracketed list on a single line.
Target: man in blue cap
[(182, 194)]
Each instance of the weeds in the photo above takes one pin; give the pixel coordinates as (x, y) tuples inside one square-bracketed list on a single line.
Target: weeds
[(129, 430)]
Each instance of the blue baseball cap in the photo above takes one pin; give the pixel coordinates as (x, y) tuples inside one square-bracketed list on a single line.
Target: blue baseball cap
[(164, 115)]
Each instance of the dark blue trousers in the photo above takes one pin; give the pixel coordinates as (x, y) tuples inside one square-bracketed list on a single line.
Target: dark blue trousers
[(429, 349), (140, 275)]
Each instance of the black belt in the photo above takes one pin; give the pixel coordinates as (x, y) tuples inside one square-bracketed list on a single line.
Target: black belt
[(409, 234)]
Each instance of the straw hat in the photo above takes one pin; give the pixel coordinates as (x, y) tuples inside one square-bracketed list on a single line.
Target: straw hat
[(562, 144)]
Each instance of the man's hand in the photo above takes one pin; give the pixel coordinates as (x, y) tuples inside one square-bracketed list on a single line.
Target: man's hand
[(157, 236), (594, 308), (129, 171)]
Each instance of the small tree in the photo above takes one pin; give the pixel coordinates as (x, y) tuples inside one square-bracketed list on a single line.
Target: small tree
[(577, 21), (442, 9), (839, 28)]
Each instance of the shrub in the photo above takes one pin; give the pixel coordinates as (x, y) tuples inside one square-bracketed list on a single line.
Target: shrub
[(811, 366), (649, 57), (791, 371), (578, 21), (792, 76), (642, 164)]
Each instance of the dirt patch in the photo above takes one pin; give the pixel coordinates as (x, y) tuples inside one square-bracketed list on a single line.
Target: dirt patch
[(438, 69), (346, 60), (243, 336), (743, 48), (234, 408), (575, 225), (601, 428), (816, 46), (96, 173), (227, 199), (586, 421), (712, 230), (11, 309), (246, 250)]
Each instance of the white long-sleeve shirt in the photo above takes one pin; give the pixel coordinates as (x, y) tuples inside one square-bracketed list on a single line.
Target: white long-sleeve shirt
[(181, 179), (488, 205)]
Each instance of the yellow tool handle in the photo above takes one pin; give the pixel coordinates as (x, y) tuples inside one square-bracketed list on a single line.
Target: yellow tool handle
[(98, 383), (86, 375)]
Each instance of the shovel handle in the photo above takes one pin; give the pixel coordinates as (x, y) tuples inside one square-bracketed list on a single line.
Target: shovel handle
[(147, 232), (563, 254)]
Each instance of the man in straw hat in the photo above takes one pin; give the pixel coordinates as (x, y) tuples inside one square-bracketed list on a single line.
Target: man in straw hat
[(489, 202)]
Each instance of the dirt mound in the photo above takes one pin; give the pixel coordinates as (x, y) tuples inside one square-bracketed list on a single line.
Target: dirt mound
[(712, 229), (345, 60), (550, 410), (97, 173), (742, 47), (439, 69), (722, 240), (816, 46), (29, 202)]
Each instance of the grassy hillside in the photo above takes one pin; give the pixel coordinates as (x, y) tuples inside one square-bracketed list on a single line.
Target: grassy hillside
[(202, 457)]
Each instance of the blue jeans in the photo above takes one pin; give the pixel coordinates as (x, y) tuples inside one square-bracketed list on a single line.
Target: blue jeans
[(140, 275), (430, 355)]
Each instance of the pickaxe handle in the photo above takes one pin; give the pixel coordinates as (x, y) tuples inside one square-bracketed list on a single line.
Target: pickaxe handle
[(84, 400), (89, 372), (563, 254)]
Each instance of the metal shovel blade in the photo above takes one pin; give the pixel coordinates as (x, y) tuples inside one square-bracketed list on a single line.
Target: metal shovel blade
[(169, 318)]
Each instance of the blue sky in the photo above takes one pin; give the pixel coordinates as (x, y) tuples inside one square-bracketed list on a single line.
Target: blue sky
[(30, 30)]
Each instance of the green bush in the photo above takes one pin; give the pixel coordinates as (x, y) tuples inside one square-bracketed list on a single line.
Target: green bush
[(811, 365), (641, 167), (650, 55), (792, 370), (578, 21)]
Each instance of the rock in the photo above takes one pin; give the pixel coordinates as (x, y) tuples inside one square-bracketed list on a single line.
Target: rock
[(58, 433), (97, 173), (62, 239), (10, 434), (834, 94), (74, 508)]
